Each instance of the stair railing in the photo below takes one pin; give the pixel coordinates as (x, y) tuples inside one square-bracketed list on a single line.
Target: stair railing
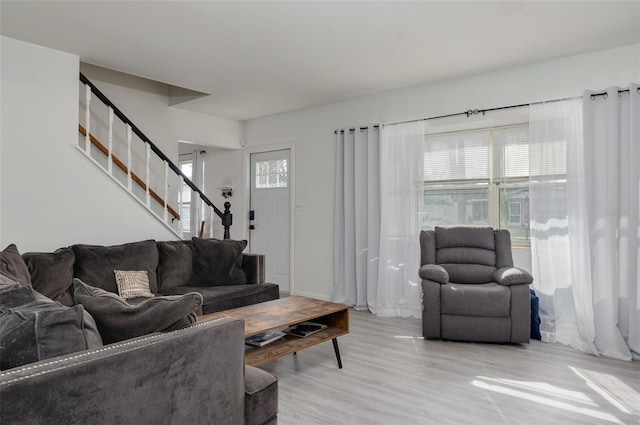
[(168, 166)]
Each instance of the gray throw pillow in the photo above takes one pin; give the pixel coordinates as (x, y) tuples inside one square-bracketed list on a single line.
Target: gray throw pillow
[(95, 264), (118, 320), (52, 273), (12, 265), (8, 283), (175, 264), (217, 262), (34, 328)]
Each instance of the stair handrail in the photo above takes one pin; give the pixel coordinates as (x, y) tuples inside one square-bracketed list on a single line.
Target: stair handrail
[(226, 216)]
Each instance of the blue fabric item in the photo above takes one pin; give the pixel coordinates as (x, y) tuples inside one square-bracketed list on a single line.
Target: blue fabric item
[(535, 317)]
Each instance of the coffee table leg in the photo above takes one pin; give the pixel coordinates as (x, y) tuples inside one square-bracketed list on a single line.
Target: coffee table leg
[(337, 350)]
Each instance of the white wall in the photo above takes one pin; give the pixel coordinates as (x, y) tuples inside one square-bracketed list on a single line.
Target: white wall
[(226, 168), (52, 196), (311, 130)]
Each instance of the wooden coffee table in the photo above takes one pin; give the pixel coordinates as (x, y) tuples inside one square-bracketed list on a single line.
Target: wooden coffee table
[(276, 314)]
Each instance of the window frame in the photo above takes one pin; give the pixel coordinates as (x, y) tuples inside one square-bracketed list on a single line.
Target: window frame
[(493, 185), (276, 168)]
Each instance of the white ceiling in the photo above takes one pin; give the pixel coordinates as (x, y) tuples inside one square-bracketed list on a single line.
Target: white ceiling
[(256, 58)]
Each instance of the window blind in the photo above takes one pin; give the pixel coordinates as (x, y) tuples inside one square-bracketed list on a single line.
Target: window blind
[(456, 156), (501, 153), (510, 152)]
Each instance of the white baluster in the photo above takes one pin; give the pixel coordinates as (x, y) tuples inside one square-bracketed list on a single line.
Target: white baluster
[(110, 148), (87, 119), (148, 160), (211, 221), (180, 185), (166, 191), (129, 181)]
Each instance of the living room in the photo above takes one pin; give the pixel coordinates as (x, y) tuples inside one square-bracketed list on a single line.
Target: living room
[(40, 117)]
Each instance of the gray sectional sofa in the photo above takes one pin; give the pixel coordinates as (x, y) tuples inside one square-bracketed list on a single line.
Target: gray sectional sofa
[(73, 351), (219, 270)]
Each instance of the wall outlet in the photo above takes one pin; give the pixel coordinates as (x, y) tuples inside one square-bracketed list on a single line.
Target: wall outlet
[(299, 206)]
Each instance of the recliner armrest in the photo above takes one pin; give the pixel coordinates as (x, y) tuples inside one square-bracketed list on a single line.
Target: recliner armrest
[(434, 272), (253, 266), (512, 276)]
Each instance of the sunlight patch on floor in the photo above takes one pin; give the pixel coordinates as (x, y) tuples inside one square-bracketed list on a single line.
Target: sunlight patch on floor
[(413, 339), (528, 390), (544, 389), (612, 389)]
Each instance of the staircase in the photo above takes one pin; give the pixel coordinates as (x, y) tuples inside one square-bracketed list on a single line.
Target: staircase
[(117, 146)]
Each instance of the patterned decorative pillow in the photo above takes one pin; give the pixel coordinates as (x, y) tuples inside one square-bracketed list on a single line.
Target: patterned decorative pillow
[(133, 284)]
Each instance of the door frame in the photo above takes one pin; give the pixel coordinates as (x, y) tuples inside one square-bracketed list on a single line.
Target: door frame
[(248, 151)]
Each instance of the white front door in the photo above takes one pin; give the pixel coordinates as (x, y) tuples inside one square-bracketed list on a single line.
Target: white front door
[(269, 213)]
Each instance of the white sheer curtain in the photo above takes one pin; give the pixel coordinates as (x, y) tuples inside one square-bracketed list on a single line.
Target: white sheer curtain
[(357, 217), (401, 206), (555, 134), (585, 257), (611, 170)]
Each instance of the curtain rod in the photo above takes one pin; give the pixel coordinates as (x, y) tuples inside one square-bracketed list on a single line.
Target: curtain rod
[(471, 112), (467, 113)]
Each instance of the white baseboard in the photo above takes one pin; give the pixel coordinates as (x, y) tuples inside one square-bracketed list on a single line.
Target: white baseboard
[(312, 295)]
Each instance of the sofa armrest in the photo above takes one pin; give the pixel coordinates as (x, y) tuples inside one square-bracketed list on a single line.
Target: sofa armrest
[(253, 266), (179, 377), (434, 272), (512, 276)]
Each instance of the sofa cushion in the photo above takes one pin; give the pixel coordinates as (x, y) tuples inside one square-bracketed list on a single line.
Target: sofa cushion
[(260, 396), (469, 273), (90, 329), (219, 298), (95, 264), (133, 284), (217, 262), (463, 236), (8, 283), (175, 263), (484, 300), (118, 320), (13, 266), (52, 273), (464, 255), (34, 328)]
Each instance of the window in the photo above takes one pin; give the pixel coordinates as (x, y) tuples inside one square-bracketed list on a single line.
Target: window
[(478, 177), (186, 166), (515, 213), (271, 174)]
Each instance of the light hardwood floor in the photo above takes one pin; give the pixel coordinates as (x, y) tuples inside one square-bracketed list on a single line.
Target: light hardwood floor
[(391, 376)]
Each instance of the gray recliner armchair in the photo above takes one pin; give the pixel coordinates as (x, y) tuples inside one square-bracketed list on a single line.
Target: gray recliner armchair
[(470, 289)]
